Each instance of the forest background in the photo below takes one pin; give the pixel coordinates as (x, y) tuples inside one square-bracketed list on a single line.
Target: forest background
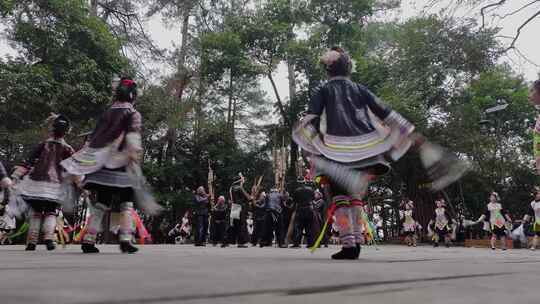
[(231, 88)]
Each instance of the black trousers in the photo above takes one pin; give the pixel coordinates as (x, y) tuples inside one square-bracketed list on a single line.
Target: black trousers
[(303, 222), (258, 230), (202, 228), (238, 233), (218, 230), (273, 224)]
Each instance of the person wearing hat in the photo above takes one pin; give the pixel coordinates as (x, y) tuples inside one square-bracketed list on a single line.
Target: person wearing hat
[(40, 182), (409, 223), (356, 141), (110, 164), (441, 224), (498, 220), (303, 197)]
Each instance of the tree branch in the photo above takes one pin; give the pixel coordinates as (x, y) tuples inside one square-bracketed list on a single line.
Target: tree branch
[(483, 9), (279, 103), (518, 33), (518, 10)]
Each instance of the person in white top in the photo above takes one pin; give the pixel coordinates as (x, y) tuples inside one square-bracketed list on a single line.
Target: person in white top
[(498, 220), (535, 205)]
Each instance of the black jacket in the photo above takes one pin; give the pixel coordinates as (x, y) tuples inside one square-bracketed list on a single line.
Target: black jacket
[(346, 104)]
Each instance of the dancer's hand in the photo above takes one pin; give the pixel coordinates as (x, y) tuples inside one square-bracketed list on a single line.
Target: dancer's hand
[(6, 183)]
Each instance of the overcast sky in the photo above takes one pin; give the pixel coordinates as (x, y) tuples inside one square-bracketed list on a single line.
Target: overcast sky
[(528, 44)]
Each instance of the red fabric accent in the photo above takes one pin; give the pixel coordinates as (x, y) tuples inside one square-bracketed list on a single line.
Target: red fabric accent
[(333, 207), (128, 82), (143, 233)]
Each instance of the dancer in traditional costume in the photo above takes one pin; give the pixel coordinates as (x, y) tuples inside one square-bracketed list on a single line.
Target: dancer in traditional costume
[(182, 230), (441, 225), (535, 205), (498, 220), (7, 221), (110, 164), (410, 225), (5, 185), (42, 186), (350, 137)]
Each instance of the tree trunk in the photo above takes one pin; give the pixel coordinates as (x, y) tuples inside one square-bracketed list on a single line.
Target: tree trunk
[(93, 7), (292, 101), (230, 105), (182, 79)]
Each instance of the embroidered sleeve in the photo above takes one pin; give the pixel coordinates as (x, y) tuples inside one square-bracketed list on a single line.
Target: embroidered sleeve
[(133, 136), (374, 103), (317, 101), (135, 124)]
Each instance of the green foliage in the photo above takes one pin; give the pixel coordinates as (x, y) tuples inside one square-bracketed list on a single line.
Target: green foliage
[(66, 63)]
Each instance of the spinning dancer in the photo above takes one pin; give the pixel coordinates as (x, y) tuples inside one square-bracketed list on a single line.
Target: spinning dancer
[(409, 223), (43, 187), (355, 142), (498, 220), (110, 164)]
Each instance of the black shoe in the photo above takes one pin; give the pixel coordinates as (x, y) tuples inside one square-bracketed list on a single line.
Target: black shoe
[(30, 247), (50, 245), (224, 245), (283, 246), (435, 245), (199, 245), (126, 247), (89, 248), (345, 254), (295, 246), (242, 246), (357, 250), (493, 248), (447, 245)]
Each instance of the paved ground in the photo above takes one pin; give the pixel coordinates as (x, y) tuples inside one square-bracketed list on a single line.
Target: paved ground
[(185, 274)]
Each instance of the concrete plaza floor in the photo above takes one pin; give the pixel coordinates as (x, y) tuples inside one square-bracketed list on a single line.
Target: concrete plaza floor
[(187, 274)]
